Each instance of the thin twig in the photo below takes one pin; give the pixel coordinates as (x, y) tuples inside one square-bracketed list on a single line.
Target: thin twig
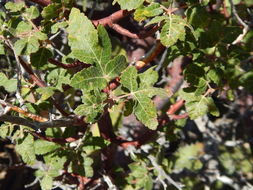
[(182, 116), (162, 175), (24, 112), (64, 122), (52, 139), (241, 22), (19, 73)]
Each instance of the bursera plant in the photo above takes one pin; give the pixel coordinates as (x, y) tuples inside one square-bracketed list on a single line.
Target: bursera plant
[(68, 86)]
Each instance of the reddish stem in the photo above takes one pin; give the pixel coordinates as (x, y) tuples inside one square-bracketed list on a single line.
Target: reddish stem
[(129, 34), (114, 17), (29, 70), (175, 107), (43, 3), (69, 66), (55, 140), (182, 116), (158, 49)]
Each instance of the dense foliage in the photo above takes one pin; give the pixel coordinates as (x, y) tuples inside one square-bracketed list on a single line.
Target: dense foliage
[(109, 95)]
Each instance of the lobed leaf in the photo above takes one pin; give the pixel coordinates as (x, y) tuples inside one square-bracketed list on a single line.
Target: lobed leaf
[(92, 105), (142, 90), (26, 46), (173, 30), (39, 60), (92, 46), (198, 106)]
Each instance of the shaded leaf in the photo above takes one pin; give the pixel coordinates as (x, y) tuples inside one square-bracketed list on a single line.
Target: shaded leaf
[(188, 157), (50, 11), (39, 59), (2, 50)]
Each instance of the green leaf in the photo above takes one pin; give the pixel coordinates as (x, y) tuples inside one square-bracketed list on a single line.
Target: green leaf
[(83, 38), (129, 4), (39, 59), (114, 67), (152, 10), (23, 27), (148, 78), (25, 148), (142, 93), (140, 175), (43, 147), (58, 26), (188, 157), (55, 163), (89, 79), (197, 16), (10, 85), (46, 92), (198, 106), (173, 30), (2, 50), (57, 77), (50, 11), (40, 35), (157, 19), (46, 182), (92, 105), (31, 12), (92, 144), (14, 7), (6, 130), (145, 110), (214, 75), (88, 44), (26, 46), (92, 46), (129, 79)]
